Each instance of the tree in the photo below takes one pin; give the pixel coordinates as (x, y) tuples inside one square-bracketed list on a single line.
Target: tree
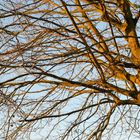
[(70, 69)]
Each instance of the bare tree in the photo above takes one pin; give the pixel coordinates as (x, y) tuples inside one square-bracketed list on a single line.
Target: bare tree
[(69, 69)]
